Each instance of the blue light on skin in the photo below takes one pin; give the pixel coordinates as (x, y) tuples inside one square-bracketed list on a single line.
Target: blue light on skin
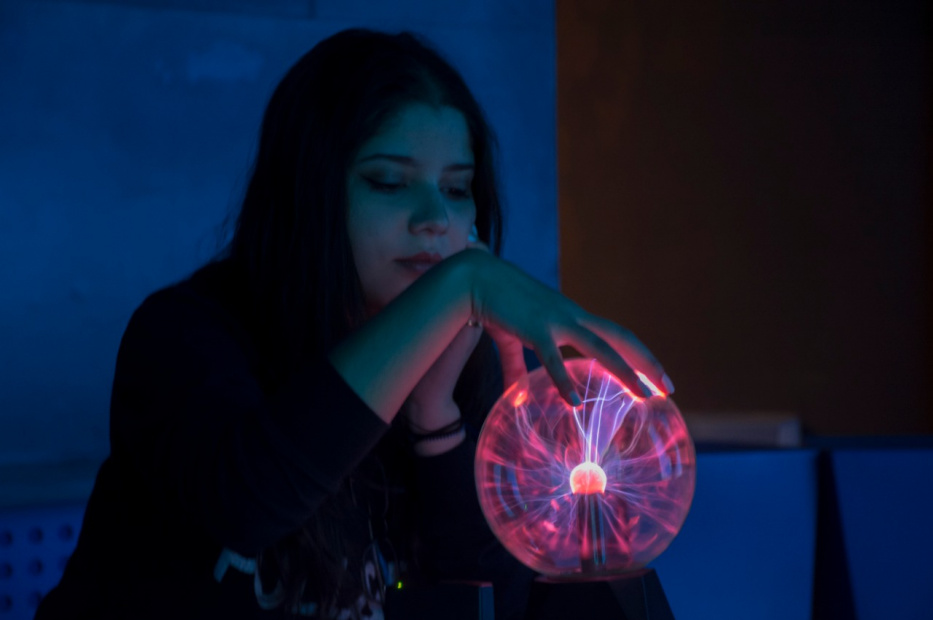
[(409, 193)]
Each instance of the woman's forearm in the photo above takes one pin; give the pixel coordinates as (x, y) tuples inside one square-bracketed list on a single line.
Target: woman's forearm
[(384, 359)]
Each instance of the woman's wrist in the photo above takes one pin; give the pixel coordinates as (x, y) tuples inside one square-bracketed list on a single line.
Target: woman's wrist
[(469, 263), (424, 418), (384, 359)]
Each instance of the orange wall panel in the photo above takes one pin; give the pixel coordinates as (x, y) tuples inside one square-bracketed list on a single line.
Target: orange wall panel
[(745, 187)]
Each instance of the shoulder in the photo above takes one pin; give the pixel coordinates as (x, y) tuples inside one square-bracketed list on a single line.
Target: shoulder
[(213, 298), (213, 290), (203, 315)]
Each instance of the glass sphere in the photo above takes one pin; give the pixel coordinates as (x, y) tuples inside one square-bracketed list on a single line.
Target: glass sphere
[(596, 489)]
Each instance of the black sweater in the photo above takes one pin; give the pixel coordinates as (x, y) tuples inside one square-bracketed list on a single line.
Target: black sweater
[(205, 456)]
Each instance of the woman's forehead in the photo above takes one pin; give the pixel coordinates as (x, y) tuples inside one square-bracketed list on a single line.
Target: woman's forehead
[(422, 133)]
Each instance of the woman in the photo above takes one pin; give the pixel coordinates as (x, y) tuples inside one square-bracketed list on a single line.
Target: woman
[(289, 426)]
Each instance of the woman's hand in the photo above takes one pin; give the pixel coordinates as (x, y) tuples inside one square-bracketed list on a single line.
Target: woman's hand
[(417, 345), (518, 310), (431, 403)]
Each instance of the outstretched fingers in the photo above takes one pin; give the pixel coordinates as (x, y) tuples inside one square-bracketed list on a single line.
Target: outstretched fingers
[(591, 344), (632, 349), (550, 357), (511, 355)]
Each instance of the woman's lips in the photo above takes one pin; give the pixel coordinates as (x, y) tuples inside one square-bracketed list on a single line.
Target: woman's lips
[(421, 262), (418, 266)]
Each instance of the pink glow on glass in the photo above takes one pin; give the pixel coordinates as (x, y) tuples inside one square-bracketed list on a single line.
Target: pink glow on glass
[(587, 478), (538, 466), (520, 398)]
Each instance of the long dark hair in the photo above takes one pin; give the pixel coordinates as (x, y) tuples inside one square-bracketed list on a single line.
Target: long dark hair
[(291, 248)]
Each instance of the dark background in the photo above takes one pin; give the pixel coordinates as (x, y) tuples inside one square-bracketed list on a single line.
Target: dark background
[(746, 185)]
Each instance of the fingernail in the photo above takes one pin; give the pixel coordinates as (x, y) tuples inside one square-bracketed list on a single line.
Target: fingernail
[(645, 390), (668, 384), (575, 399)]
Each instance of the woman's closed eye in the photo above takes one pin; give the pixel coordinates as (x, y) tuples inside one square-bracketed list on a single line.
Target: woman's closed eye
[(458, 193), (383, 186)]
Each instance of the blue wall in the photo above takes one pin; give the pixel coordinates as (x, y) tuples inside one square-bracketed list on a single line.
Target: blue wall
[(126, 131)]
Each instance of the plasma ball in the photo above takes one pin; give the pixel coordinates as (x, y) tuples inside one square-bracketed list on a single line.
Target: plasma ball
[(587, 478), (596, 489)]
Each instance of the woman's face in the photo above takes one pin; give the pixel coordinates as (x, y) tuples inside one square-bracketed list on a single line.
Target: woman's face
[(410, 203)]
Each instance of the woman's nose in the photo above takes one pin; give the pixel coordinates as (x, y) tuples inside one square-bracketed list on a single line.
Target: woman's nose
[(430, 213)]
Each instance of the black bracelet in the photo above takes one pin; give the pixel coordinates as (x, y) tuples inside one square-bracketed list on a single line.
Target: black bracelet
[(442, 433)]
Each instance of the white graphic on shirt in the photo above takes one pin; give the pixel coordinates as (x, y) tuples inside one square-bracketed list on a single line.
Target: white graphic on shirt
[(376, 572)]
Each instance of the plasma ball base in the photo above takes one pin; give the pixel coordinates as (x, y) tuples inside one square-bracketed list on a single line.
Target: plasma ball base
[(635, 596)]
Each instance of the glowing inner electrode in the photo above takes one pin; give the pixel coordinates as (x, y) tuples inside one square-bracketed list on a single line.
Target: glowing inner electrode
[(587, 478)]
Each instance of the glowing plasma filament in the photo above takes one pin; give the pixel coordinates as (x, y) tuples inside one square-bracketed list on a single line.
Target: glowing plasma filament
[(587, 478)]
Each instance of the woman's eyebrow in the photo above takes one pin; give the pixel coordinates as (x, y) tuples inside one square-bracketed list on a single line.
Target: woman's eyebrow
[(410, 161)]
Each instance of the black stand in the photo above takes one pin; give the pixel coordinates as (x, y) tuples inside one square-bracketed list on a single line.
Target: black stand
[(633, 596)]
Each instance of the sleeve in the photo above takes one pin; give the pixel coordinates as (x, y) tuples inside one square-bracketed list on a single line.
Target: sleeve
[(457, 542), (188, 413)]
